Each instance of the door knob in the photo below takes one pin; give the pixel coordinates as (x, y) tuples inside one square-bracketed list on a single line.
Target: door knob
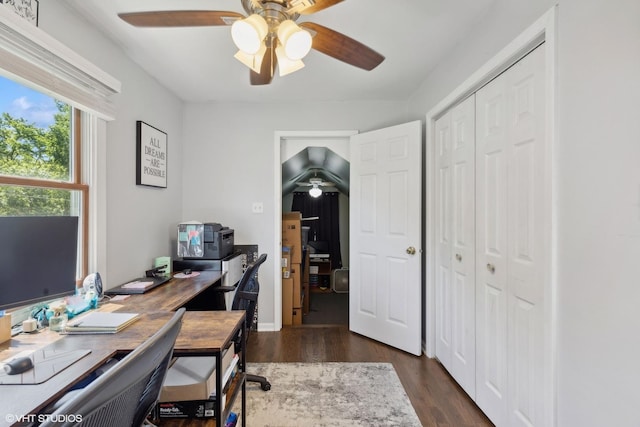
[(491, 268), (411, 250), (458, 257)]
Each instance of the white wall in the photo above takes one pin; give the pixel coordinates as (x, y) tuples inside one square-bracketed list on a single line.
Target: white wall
[(598, 201), (597, 194), (502, 23), (140, 220), (229, 164)]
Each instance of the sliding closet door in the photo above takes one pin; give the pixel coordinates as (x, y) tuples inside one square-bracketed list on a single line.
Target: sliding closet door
[(512, 201), (455, 251)]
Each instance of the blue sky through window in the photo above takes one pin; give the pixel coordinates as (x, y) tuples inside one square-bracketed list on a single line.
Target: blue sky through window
[(31, 105)]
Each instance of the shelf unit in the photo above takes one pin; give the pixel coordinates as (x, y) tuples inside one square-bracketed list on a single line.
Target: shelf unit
[(236, 385), (319, 272)]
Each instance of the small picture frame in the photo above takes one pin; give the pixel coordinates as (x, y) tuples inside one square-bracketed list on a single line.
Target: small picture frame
[(28, 9), (151, 156)]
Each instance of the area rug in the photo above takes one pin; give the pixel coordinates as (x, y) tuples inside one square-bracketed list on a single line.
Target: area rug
[(328, 394)]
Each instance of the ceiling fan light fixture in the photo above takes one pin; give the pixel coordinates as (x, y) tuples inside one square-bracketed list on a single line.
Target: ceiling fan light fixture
[(295, 40), (249, 33), (286, 65), (252, 61), (315, 191)]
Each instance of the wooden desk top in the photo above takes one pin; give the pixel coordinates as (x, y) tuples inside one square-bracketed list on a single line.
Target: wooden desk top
[(202, 333), (207, 332), (172, 295)]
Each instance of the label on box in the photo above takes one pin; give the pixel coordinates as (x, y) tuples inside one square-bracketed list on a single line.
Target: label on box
[(187, 409)]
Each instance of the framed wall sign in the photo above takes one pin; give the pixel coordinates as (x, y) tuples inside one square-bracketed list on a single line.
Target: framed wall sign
[(151, 156), (28, 9)]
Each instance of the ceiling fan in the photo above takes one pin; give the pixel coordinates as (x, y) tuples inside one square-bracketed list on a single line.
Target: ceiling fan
[(268, 37), (315, 184)]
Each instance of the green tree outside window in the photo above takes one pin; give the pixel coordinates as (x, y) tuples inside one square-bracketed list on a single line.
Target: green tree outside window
[(27, 150)]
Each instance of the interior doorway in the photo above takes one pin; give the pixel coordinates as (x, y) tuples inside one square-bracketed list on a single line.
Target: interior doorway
[(307, 160)]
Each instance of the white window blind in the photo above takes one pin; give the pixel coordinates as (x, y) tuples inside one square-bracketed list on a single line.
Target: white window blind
[(34, 58)]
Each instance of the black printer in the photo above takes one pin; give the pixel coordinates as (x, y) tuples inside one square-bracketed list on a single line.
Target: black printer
[(217, 242)]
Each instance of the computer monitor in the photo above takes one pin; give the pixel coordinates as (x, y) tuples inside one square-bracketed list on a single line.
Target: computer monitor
[(38, 258)]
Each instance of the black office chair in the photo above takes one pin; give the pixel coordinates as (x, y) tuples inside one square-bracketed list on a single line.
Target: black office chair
[(125, 394), (246, 298)]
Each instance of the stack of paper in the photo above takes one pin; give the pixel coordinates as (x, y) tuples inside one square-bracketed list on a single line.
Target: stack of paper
[(98, 322), (139, 284)]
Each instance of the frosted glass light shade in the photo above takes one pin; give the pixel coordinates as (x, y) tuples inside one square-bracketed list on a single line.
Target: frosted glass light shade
[(295, 40), (315, 192), (249, 33), (286, 65), (252, 61)]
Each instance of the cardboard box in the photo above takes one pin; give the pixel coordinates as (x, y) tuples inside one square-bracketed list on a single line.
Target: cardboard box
[(5, 328), (296, 275), (286, 262), (194, 378), (297, 316), (206, 408), (287, 302), (292, 234)]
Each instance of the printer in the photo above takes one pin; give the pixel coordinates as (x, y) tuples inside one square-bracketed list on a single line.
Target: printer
[(204, 241)]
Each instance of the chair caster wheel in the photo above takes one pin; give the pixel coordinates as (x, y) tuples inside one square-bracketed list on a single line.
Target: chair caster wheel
[(266, 386)]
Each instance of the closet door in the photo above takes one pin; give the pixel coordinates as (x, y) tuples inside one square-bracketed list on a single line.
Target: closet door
[(511, 206), (455, 252), (491, 248), (444, 245)]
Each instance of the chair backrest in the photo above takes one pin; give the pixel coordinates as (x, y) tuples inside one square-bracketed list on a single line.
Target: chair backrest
[(125, 394), (246, 297)]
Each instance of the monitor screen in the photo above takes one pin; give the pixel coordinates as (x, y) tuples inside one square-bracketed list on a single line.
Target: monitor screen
[(38, 257)]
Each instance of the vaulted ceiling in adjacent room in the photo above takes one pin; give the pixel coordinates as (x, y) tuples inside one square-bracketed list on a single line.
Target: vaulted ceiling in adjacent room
[(315, 163)]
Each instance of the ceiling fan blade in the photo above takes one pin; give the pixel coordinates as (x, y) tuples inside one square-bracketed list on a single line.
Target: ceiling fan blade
[(180, 18), (267, 69), (319, 183), (318, 6), (343, 48)]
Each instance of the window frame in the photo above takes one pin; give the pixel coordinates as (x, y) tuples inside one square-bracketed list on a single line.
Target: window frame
[(32, 57), (75, 184)]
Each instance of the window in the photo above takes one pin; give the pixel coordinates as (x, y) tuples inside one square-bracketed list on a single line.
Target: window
[(40, 152)]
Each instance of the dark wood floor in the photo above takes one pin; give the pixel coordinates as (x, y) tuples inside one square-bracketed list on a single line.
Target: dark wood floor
[(437, 399)]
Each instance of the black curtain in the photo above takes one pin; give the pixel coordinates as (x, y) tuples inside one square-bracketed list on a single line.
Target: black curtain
[(325, 229)]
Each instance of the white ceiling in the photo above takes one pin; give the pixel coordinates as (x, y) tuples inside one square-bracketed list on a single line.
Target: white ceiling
[(197, 63)]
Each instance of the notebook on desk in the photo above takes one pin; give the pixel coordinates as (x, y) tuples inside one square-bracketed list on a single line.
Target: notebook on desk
[(98, 322), (138, 286)]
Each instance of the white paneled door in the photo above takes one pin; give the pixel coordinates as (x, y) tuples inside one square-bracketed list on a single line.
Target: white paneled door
[(455, 249), (385, 236), (512, 205)]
